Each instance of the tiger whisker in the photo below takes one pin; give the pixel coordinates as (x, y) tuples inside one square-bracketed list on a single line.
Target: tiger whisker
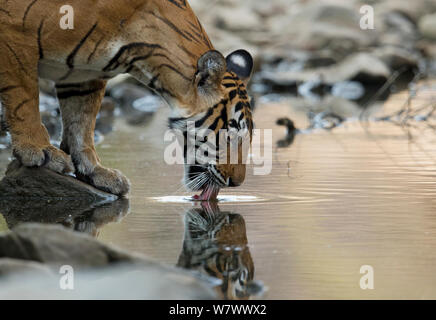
[(185, 185), (201, 181), (197, 181)]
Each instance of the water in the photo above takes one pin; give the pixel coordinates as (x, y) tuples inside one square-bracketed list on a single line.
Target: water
[(335, 200)]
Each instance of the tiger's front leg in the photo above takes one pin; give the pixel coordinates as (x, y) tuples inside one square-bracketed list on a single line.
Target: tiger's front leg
[(19, 94), (80, 104)]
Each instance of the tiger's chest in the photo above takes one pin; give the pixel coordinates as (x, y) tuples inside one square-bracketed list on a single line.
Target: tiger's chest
[(60, 72)]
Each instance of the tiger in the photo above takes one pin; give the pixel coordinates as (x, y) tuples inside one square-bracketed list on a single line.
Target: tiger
[(215, 244), (161, 43)]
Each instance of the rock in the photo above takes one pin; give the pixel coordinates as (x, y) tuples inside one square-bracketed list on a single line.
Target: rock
[(10, 267), (404, 62), (258, 25), (137, 103), (349, 90), (271, 9), (100, 271), (144, 109), (395, 29), (128, 282), (47, 87), (412, 9), (40, 183), (338, 106), (48, 103), (360, 66), (126, 93), (227, 42), (319, 26), (400, 23), (55, 245), (53, 123), (427, 26), (325, 120), (428, 49), (51, 116), (397, 58), (106, 117), (237, 19)]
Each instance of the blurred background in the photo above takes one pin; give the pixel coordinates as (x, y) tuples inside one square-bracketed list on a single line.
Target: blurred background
[(335, 56)]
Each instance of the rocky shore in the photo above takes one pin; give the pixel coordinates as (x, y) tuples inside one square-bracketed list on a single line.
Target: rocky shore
[(32, 257)]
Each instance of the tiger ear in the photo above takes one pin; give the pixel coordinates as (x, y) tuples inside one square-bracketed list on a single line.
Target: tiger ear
[(211, 68), (241, 63)]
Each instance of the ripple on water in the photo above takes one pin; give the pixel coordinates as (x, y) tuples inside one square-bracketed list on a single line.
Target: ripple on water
[(226, 198)]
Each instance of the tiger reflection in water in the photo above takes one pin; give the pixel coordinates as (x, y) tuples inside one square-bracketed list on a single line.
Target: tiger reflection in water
[(215, 244)]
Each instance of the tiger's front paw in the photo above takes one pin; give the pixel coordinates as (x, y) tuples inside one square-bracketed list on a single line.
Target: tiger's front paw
[(108, 180), (48, 157)]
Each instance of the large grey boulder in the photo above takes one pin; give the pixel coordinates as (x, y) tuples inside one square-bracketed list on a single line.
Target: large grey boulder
[(132, 282), (55, 245), (12, 267), (31, 257)]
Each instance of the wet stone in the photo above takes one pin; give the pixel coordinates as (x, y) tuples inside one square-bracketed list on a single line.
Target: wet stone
[(37, 249), (41, 183), (10, 267), (55, 245)]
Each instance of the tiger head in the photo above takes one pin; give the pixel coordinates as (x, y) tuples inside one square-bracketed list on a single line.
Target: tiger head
[(222, 127)]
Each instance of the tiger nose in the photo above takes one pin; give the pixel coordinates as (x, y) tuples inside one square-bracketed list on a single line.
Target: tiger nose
[(234, 183)]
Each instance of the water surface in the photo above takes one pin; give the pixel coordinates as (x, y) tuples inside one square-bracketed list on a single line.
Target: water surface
[(335, 200)]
